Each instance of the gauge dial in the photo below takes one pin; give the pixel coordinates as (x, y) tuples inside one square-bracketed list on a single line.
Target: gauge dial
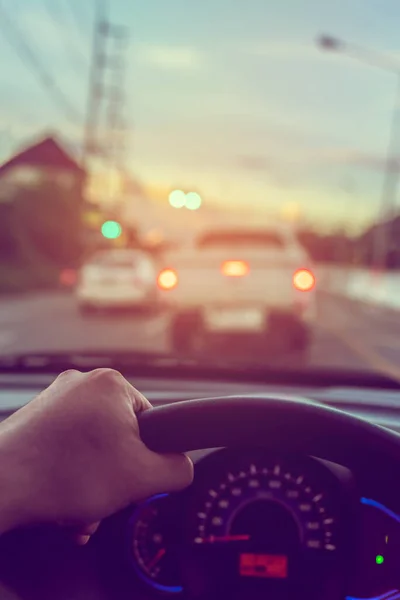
[(263, 527), (153, 545), (260, 503)]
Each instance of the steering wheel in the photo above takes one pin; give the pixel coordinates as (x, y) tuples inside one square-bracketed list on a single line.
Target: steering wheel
[(282, 425), (274, 422), (278, 424)]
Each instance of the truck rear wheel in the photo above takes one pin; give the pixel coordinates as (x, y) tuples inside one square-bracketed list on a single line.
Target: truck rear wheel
[(291, 337), (186, 333), (299, 344)]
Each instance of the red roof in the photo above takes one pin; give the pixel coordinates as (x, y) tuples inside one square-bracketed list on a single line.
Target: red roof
[(46, 153)]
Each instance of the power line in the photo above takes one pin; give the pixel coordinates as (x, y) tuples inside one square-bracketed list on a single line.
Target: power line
[(75, 15), (55, 15), (24, 51)]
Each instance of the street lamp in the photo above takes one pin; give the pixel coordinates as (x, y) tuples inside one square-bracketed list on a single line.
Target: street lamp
[(391, 174)]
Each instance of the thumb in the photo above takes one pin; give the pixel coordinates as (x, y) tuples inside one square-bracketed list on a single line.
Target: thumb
[(165, 473)]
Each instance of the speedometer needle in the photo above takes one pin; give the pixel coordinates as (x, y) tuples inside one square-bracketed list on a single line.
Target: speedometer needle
[(156, 559), (226, 538)]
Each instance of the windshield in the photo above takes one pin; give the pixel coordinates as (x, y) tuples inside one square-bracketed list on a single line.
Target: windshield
[(207, 180)]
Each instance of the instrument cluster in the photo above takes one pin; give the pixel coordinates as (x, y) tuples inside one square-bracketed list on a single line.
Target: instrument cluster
[(254, 525)]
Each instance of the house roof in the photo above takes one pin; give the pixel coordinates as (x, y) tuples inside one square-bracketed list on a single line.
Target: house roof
[(46, 153)]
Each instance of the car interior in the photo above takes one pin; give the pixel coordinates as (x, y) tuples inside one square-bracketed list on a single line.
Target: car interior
[(294, 495), (204, 197)]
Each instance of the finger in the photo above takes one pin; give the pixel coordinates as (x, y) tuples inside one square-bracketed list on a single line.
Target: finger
[(139, 402), (81, 540), (162, 473), (173, 471), (70, 374), (89, 529), (82, 535)]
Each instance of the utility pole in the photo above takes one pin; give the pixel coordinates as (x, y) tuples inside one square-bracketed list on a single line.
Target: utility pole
[(116, 127), (90, 142), (104, 135)]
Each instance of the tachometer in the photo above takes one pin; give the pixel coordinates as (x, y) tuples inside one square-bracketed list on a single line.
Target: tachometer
[(154, 546)]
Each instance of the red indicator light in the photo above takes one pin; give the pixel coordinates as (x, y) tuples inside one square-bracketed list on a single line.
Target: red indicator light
[(268, 566)]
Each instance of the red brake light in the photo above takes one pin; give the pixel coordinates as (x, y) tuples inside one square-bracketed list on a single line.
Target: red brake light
[(234, 268), (303, 280), (68, 277), (167, 279)]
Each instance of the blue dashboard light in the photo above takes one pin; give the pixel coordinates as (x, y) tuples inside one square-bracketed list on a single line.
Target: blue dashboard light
[(166, 589), (391, 595), (382, 508)]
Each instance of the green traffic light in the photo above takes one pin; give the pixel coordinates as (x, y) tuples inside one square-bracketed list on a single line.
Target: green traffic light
[(111, 230), (379, 559)]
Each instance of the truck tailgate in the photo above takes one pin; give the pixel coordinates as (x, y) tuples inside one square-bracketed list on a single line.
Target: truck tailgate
[(205, 278)]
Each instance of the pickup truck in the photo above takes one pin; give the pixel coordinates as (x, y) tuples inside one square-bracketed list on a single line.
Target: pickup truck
[(232, 282)]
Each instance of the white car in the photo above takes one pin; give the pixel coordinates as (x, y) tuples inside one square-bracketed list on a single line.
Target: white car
[(118, 278), (241, 281)]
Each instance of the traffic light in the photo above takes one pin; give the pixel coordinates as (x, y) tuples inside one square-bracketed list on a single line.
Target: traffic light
[(111, 230)]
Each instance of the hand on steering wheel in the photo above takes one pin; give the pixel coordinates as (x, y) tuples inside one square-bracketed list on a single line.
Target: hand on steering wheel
[(74, 455)]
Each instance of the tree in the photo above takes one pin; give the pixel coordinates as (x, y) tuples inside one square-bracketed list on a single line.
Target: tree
[(47, 222)]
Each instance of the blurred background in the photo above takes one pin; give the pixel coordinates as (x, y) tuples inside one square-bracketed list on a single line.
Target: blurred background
[(139, 126)]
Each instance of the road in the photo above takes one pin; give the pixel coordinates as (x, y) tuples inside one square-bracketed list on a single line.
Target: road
[(346, 335)]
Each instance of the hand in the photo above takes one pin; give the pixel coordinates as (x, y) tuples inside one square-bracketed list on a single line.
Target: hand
[(74, 454)]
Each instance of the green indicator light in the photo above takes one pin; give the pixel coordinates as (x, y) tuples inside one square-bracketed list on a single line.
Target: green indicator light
[(379, 559), (111, 230)]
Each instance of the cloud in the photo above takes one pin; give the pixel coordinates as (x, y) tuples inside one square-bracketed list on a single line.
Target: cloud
[(312, 164), (170, 57), (349, 156)]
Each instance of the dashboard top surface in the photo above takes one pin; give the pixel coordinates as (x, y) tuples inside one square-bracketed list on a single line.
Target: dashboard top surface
[(379, 406)]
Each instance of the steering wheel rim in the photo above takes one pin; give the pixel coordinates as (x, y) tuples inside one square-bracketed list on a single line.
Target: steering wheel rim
[(275, 422)]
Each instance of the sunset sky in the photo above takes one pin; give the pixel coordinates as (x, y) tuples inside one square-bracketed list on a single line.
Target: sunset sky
[(231, 98)]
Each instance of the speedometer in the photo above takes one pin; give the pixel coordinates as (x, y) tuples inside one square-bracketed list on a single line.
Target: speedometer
[(269, 506), (263, 527)]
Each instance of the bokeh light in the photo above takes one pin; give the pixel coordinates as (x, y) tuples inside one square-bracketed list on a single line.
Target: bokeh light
[(167, 279), (303, 280), (111, 230), (177, 199), (193, 201)]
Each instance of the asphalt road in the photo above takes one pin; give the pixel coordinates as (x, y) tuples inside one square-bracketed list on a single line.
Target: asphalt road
[(346, 335)]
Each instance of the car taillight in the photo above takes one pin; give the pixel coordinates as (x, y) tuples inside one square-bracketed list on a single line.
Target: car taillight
[(304, 280), (167, 279), (68, 277), (234, 268)]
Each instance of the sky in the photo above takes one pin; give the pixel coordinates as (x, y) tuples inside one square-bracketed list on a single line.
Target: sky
[(232, 99)]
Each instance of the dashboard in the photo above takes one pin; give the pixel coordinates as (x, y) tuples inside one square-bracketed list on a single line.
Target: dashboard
[(254, 524)]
